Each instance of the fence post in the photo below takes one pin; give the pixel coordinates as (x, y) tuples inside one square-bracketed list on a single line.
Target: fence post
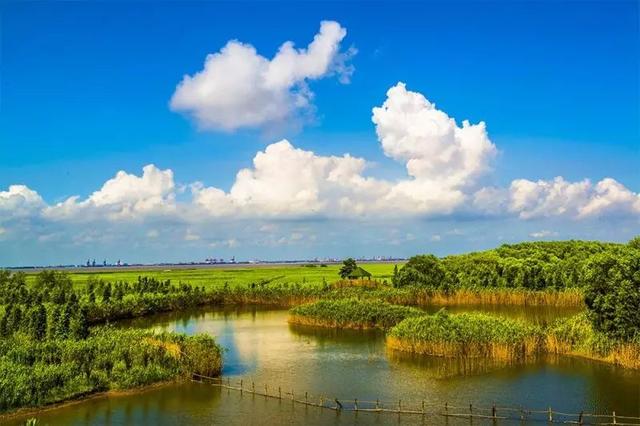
[(470, 410), (399, 405), (266, 391), (279, 392), (580, 418), (423, 407), (306, 398), (240, 387), (292, 397), (614, 417), (253, 387), (377, 404), (355, 404), (446, 409), (550, 415), (493, 411)]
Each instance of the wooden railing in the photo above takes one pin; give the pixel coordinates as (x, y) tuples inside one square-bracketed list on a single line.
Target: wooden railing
[(423, 407)]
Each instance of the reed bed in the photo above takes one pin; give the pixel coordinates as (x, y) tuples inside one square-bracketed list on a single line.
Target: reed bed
[(576, 337), (505, 296), (351, 313), (467, 335)]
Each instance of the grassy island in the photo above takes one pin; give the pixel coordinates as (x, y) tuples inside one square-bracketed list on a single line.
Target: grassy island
[(351, 313), (467, 335)]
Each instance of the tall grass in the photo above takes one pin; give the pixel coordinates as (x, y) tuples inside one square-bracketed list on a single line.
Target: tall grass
[(505, 296), (351, 313), (466, 335), (575, 336)]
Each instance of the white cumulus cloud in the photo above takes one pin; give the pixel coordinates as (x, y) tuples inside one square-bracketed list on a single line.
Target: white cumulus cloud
[(444, 164), (558, 197), (19, 201), (125, 196), (238, 87)]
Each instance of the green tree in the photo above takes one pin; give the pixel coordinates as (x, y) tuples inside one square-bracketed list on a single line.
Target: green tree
[(106, 293), (4, 324), (78, 326), (62, 327), (38, 322), (612, 293), (394, 279), (348, 266), (52, 323), (14, 322), (422, 271), (634, 242)]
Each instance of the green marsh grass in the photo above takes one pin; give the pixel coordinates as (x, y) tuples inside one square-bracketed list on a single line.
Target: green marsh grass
[(468, 335), (351, 313)]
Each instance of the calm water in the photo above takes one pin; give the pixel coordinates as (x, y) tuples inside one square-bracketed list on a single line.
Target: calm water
[(262, 347)]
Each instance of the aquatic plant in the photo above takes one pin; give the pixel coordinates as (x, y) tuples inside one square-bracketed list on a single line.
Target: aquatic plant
[(351, 313), (466, 335)]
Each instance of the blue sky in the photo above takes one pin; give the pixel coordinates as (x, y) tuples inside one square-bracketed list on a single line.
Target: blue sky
[(86, 91)]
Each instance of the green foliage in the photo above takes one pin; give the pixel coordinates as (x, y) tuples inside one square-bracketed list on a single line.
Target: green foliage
[(38, 322), (79, 324), (353, 313), (472, 328), (612, 293), (634, 243), (348, 266), (38, 372), (422, 271)]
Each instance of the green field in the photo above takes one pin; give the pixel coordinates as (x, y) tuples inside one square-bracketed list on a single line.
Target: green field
[(212, 278)]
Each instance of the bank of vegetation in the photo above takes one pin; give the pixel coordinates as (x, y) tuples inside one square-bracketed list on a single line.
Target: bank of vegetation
[(351, 313), (50, 353), (50, 324), (37, 372)]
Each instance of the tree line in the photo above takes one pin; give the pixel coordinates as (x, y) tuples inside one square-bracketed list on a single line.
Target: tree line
[(608, 274)]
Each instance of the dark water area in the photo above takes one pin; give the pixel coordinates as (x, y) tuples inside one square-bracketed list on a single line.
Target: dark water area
[(262, 347)]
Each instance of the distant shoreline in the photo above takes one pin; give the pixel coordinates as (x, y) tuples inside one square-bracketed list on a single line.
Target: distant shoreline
[(165, 266)]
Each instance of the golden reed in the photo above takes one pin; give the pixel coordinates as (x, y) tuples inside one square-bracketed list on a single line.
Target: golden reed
[(565, 298)]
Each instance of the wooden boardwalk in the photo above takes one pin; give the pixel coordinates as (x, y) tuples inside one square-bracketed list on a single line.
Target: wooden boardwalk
[(422, 408)]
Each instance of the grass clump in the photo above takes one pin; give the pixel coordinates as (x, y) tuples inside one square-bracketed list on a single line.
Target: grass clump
[(467, 335), (351, 313)]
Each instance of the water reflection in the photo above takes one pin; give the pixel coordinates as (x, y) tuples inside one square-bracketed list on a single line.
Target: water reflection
[(261, 346)]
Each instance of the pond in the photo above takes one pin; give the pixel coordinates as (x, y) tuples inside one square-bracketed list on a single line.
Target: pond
[(262, 347)]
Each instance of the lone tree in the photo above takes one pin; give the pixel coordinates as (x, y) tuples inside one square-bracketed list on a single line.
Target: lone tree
[(348, 266)]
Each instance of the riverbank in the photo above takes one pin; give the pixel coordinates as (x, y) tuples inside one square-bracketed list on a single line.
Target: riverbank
[(26, 413), (34, 374)]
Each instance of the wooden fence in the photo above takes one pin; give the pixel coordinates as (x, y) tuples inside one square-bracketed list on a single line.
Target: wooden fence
[(423, 408)]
